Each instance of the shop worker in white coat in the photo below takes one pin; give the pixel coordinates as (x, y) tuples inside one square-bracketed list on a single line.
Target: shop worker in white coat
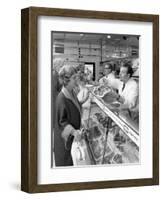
[(128, 91), (109, 77)]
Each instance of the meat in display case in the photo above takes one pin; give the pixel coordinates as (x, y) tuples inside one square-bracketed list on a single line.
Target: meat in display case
[(110, 139)]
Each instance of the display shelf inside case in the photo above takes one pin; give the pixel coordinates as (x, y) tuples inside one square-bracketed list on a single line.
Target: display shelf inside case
[(128, 129), (120, 146)]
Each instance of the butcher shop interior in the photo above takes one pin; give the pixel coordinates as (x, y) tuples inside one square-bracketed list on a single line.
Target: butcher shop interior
[(95, 99)]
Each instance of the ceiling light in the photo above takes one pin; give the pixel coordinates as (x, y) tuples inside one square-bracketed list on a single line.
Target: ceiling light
[(124, 37)]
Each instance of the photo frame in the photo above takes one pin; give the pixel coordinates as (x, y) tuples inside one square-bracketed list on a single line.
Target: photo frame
[(29, 99)]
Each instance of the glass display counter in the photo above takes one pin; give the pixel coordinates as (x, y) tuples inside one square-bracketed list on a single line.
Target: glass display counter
[(111, 138)]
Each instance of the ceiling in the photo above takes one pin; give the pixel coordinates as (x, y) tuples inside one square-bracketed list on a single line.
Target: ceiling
[(115, 39)]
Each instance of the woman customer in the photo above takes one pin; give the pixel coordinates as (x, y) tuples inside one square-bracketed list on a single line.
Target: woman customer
[(68, 117)]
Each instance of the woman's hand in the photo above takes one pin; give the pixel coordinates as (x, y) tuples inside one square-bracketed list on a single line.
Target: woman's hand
[(78, 135)]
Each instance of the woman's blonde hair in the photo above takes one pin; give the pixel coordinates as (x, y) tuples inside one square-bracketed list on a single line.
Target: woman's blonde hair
[(66, 72)]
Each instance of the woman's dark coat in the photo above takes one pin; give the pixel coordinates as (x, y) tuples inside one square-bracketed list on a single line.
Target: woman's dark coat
[(67, 113)]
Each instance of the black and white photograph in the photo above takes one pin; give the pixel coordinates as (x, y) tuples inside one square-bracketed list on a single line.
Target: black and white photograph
[(94, 99)]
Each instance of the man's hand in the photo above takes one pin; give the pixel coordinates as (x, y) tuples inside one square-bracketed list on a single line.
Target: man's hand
[(121, 99)]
